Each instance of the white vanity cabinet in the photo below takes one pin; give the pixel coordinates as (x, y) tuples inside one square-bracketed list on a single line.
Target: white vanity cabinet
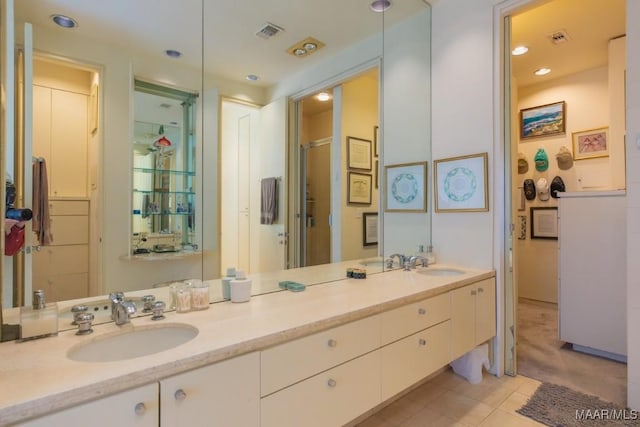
[(223, 394), (419, 335), (137, 407), (473, 316), (324, 379)]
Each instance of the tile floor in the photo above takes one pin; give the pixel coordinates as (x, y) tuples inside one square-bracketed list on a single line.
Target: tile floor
[(450, 400)]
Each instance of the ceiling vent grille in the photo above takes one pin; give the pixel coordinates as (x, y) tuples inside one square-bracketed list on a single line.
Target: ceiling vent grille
[(559, 37), (268, 30)]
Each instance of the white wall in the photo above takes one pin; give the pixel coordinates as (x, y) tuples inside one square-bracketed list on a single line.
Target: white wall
[(463, 73), (633, 203), (406, 122)]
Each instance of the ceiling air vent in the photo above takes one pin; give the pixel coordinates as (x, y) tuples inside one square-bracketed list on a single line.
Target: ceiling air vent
[(268, 30), (558, 37)]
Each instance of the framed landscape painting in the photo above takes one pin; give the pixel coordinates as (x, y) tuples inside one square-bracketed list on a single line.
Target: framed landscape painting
[(543, 120)]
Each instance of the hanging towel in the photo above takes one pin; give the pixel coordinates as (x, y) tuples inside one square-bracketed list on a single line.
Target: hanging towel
[(269, 201), (41, 224)]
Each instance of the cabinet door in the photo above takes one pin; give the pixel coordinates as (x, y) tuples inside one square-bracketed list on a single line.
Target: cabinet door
[(331, 398), (135, 408), (463, 303), (224, 394), (411, 359), (485, 310), (69, 134)]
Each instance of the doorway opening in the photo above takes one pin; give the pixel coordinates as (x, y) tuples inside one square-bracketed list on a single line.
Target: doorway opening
[(330, 212), (591, 97)]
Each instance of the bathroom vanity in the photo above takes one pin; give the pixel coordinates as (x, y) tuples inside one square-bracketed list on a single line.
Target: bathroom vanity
[(321, 357)]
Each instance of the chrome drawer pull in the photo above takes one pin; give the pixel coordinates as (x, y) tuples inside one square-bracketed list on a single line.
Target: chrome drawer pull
[(473, 292), (422, 311), (140, 409), (480, 290), (331, 382), (332, 343), (180, 395), (422, 342)]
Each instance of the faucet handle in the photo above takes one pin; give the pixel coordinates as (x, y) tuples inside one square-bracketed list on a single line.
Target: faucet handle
[(148, 301), (158, 310), (84, 323), (116, 297), (77, 310)]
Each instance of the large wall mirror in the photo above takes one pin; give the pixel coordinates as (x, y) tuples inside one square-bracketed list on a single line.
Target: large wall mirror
[(185, 139)]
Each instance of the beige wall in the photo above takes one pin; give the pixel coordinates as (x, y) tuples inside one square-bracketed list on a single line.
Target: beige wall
[(359, 116)]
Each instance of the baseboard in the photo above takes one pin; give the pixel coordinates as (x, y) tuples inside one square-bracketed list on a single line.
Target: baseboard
[(601, 353)]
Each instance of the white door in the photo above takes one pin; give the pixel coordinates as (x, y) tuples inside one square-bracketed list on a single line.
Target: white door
[(271, 162)]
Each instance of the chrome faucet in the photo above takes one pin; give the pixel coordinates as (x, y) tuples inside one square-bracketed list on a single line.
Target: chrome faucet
[(401, 260), (417, 258), (121, 310)]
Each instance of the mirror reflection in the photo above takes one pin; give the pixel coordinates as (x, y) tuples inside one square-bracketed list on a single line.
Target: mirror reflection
[(181, 149)]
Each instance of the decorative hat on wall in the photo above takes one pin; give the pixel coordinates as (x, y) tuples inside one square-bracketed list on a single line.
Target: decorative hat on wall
[(557, 184), (523, 165), (529, 189), (541, 160), (543, 189), (564, 158)]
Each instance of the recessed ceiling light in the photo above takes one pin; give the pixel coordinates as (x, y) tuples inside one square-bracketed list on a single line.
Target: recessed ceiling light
[(310, 46), (519, 50), (252, 77), (64, 21), (542, 71), (380, 5), (300, 52), (172, 53), (323, 96)]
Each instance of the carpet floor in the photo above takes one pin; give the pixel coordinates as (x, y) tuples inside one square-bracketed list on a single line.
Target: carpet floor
[(541, 356)]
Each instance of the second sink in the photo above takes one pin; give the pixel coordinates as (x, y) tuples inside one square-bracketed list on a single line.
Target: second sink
[(137, 342)]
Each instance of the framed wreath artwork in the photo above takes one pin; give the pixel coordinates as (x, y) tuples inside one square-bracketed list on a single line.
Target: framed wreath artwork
[(406, 187), (461, 184)]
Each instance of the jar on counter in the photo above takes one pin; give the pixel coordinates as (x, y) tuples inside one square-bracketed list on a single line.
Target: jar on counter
[(199, 294), (183, 297)]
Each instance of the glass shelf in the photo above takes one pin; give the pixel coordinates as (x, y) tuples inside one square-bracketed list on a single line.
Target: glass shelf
[(136, 212), (168, 171), (188, 193)]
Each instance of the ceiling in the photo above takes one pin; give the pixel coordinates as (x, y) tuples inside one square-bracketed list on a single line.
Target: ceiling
[(589, 24), (231, 48)]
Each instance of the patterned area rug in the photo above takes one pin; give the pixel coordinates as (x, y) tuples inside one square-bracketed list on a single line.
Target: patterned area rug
[(559, 406)]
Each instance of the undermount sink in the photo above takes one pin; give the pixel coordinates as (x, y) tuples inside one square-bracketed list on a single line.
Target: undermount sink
[(441, 271), (137, 342)]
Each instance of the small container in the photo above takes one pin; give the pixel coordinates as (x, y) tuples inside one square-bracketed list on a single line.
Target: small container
[(226, 282), (183, 298), (199, 294), (240, 287), (40, 320), (173, 287), (431, 256)]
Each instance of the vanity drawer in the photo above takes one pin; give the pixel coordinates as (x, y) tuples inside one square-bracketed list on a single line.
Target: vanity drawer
[(331, 398), (294, 361), (409, 319), (68, 207), (413, 358)]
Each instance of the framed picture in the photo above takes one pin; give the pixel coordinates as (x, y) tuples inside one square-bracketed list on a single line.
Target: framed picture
[(406, 187), (369, 228), (543, 120), (358, 153), (376, 131), (375, 178), (461, 184), (359, 189), (544, 223), (592, 143)]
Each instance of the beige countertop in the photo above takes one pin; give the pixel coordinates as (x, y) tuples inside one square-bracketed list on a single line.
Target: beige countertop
[(36, 377)]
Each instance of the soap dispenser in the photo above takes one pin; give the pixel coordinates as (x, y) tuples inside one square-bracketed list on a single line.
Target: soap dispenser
[(40, 320)]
